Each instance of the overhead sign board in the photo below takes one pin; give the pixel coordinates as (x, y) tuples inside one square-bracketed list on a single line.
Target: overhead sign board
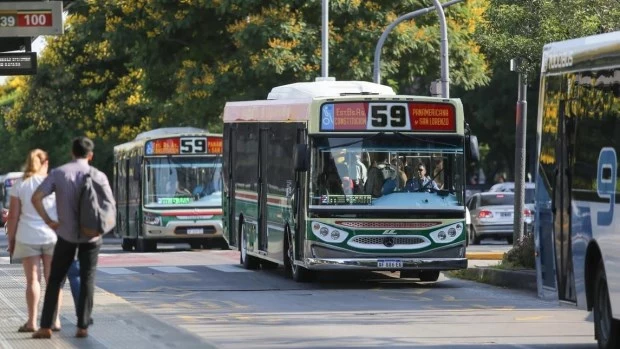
[(18, 63), (30, 18), (388, 116)]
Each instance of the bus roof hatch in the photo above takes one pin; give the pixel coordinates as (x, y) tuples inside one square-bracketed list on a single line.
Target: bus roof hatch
[(319, 89)]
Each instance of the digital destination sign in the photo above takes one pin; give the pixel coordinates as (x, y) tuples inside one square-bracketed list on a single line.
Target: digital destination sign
[(388, 116), (184, 146), (18, 63), (30, 18)]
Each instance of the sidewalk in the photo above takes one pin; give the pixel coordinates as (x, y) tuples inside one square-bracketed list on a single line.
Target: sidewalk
[(118, 323)]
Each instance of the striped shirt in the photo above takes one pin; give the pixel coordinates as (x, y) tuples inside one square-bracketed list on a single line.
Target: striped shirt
[(66, 181)]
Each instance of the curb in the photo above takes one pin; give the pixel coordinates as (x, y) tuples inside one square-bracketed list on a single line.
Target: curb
[(485, 255), (515, 279)]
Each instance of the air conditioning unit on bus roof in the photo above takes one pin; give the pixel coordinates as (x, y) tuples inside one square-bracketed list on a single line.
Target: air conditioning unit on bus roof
[(316, 89), (158, 132)]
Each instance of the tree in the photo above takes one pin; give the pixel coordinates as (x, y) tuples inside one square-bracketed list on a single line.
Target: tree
[(520, 29), (127, 66)]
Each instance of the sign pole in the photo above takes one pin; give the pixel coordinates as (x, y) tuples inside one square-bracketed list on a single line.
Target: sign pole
[(521, 126)]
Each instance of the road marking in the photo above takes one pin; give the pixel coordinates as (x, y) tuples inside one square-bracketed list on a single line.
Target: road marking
[(533, 318), (228, 268), (117, 271), (172, 270)]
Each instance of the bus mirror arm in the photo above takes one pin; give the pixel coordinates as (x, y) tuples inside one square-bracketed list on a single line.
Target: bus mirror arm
[(474, 150)]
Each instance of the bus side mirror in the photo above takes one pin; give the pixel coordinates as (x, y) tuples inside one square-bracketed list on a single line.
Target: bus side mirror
[(474, 151), (301, 158)]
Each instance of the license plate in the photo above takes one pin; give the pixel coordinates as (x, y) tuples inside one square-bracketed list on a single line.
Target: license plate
[(506, 214), (389, 263), (195, 231)]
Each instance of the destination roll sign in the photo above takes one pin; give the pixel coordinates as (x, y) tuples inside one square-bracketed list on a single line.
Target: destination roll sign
[(30, 18), (388, 116)]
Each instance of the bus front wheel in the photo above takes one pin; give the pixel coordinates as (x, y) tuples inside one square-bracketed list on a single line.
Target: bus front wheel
[(296, 272), (128, 244), (429, 275), (606, 328), (248, 262)]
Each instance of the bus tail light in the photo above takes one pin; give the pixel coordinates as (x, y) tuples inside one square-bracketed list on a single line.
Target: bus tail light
[(527, 213)]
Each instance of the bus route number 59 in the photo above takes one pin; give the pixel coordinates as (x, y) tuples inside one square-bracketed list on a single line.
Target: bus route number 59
[(388, 116), (193, 145)]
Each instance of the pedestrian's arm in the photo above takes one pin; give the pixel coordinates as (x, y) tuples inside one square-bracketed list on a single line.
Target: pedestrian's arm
[(13, 219), (37, 202)]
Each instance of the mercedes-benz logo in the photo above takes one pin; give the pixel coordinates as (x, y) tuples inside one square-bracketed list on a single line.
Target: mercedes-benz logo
[(388, 241)]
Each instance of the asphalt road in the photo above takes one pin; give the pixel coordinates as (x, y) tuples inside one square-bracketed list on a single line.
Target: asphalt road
[(207, 294)]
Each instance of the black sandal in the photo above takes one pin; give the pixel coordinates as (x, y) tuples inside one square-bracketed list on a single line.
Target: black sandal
[(24, 328)]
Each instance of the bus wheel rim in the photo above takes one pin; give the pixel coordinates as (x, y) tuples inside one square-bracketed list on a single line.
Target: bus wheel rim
[(291, 254)]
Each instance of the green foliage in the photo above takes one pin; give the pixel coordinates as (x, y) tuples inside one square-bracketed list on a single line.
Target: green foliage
[(522, 255), (123, 67), (520, 28)]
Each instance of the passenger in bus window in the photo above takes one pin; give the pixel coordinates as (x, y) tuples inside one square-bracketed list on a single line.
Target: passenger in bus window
[(401, 176), (438, 172), (374, 183)]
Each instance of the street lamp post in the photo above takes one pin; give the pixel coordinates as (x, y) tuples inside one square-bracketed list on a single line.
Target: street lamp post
[(521, 127), (444, 42)]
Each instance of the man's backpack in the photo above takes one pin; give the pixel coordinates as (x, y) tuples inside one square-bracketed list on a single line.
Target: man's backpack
[(96, 206)]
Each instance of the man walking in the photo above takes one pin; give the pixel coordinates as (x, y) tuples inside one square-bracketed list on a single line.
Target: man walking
[(66, 182)]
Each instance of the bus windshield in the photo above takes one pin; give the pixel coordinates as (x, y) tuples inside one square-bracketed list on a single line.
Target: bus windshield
[(183, 181), (390, 171)]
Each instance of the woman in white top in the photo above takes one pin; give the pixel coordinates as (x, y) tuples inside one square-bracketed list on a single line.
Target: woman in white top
[(30, 239)]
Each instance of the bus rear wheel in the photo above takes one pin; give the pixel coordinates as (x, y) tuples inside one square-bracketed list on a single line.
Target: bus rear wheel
[(606, 328)]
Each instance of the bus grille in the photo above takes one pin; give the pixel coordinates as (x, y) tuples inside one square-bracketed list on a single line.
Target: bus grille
[(391, 242)]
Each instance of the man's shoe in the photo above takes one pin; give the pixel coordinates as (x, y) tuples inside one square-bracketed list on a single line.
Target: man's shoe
[(81, 333), (43, 333)]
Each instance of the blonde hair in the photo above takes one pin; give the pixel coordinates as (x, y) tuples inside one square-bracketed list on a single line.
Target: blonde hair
[(35, 160)]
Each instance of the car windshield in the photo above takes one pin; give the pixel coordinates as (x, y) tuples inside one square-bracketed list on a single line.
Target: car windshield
[(183, 181), (497, 199), (395, 171)]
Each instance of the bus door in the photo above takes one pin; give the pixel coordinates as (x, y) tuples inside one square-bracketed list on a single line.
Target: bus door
[(299, 216), (228, 199), (561, 206), (264, 162)]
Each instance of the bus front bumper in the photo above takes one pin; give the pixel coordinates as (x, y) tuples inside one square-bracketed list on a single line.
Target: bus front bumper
[(393, 263)]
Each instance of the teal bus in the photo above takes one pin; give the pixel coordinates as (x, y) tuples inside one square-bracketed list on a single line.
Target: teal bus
[(168, 189), (321, 176)]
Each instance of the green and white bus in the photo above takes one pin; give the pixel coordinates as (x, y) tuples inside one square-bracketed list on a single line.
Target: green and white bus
[(320, 177), (168, 188)]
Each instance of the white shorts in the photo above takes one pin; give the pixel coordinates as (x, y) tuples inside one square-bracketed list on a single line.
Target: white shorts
[(29, 250)]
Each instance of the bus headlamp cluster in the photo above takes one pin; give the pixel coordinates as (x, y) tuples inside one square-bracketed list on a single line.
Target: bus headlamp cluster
[(151, 219), (447, 234), (327, 233)]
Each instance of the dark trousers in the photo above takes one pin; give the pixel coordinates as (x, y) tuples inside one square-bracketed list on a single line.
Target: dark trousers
[(64, 253)]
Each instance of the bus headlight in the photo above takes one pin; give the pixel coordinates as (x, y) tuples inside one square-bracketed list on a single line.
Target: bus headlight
[(327, 233), (447, 234), (151, 219)]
